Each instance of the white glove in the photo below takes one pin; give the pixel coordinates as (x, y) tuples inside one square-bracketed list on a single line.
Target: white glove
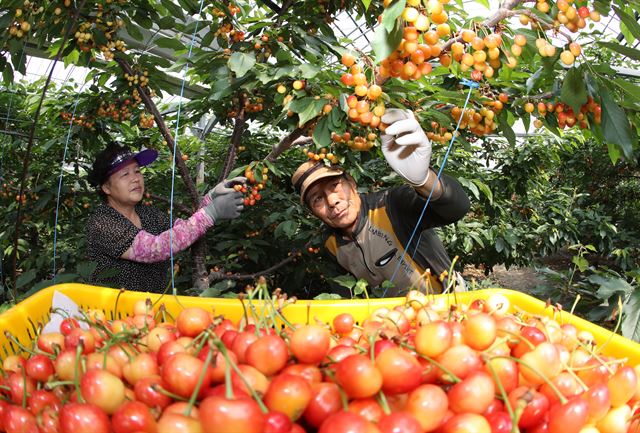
[(405, 146)]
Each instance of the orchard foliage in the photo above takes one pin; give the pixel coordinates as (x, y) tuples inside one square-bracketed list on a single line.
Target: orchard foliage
[(261, 75)]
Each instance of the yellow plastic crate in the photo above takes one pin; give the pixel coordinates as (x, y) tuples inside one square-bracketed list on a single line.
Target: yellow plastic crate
[(25, 319)]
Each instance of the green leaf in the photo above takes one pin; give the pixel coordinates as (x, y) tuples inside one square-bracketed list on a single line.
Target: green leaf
[(630, 89), (134, 31), (580, 262), (86, 269), (7, 73), (615, 125), (346, 280), (384, 42), (632, 53), (174, 44), (312, 110), (71, 58), (506, 129), (574, 91), (322, 133), (366, 4), (241, 63), (217, 289), (309, 70), (485, 189), (25, 278), (614, 153), (360, 287), (327, 296), (609, 286), (287, 229), (484, 3), (391, 14), (532, 81), (631, 317), (630, 22)]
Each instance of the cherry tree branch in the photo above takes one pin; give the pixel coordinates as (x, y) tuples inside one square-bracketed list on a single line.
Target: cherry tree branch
[(295, 137), (215, 276), (236, 136), (166, 134)]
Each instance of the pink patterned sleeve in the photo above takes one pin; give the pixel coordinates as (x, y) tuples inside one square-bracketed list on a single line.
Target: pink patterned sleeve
[(148, 248)]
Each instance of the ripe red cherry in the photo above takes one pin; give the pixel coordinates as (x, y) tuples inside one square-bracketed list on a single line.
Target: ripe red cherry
[(269, 354), (83, 418), (221, 415), (569, 417), (181, 373), (397, 422), (401, 371), (346, 422), (358, 376), (68, 324), (18, 419), (289, 394), (500, 422), (192, 321), (276, 422), (537, 405), (474, 394), (310, 343), (343, 323), (41, 399), (324, 402), (133, 416)]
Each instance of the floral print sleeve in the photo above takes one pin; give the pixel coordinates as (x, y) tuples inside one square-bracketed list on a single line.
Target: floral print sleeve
[(148, 248)]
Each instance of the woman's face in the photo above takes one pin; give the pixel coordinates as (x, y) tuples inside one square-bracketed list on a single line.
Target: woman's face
[(125, 186)]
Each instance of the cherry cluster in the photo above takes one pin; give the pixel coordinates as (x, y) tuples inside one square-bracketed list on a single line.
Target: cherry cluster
[(565, 115), (251, 192)]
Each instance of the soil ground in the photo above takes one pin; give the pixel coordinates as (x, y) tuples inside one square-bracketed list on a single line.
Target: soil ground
[(519, 278)]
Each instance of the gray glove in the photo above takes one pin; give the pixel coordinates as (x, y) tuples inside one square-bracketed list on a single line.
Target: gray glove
[(226, 202), (224, 186)]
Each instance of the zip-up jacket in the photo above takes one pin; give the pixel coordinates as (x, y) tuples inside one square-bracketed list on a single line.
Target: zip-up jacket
[(385, 223)]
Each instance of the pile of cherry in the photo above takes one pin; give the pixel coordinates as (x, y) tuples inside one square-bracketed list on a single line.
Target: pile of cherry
[(424, 366)]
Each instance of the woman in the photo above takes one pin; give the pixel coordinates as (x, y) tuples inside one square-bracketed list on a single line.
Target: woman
[(131, 243)]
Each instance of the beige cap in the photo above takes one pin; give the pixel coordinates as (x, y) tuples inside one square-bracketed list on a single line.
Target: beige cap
[(309, 173)]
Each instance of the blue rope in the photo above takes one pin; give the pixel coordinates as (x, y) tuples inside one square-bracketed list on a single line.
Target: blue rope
[(472, 85), (175, 146), (64, 158)]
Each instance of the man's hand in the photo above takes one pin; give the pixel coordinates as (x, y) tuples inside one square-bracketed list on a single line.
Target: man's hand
[(405, 146)]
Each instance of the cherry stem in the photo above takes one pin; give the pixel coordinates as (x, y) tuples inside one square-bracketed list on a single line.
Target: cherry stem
[(520, 337), (498, 382), (228, 387), (115, 306), (382, 400), (76, 373), (163, 391), (51, 385), (24, 389), (196, 390), (453, 378), (277, 312), (343, 397), (558, 394), (253, 392), (21, 346), (615, 330)]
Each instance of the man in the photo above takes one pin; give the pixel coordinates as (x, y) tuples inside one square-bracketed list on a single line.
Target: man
[(368, 233)]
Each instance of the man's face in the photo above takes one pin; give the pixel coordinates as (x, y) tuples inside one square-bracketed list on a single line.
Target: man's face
[(335, 201)]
